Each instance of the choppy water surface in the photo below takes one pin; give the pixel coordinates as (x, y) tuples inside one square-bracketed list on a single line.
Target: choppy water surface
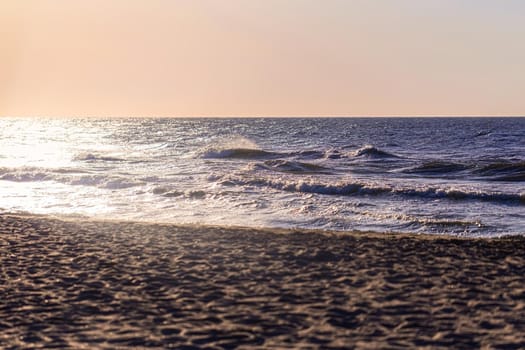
[(461, 176)]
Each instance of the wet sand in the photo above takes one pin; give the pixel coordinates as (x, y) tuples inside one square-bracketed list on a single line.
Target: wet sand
[(87, 284)]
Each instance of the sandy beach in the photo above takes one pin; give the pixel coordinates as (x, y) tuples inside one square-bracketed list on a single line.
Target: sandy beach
[(87, 284)]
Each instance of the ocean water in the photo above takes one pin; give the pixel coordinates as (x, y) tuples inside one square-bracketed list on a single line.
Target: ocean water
[(457, 176)]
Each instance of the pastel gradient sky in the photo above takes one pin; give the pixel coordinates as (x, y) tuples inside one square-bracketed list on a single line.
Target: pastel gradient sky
[(262, 57)]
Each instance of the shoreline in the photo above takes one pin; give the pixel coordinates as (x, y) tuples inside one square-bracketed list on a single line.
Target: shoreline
[(263, 229), (82, 283)]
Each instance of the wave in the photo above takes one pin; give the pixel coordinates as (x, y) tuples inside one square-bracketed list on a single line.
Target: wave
[(335, 154), (442, 226), (240, 153), (309, 154), (100, 181), (495, 171), (256, 153), (483, 133), (503, 171), (25, 176), (93, 157), (288, 166), (373, 152), (236, 146), (436, 167), (67, 177), (357, 189), (429, 223), (167, 191)]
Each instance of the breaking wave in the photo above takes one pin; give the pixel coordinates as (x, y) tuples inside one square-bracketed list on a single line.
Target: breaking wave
[(333, 153), (373, 152), (288, 166), (66, 177), (240, 153), (167, 191), (357, 189), (236, 147)]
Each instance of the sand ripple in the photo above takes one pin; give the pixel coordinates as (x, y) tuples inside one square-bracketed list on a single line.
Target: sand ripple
[(67, 284)]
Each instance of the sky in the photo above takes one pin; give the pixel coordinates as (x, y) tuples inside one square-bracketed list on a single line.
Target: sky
[(184, 58)]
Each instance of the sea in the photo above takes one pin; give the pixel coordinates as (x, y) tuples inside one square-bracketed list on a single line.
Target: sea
[(451, 176)]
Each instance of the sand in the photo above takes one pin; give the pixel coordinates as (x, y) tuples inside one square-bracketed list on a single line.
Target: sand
[(87, 284)]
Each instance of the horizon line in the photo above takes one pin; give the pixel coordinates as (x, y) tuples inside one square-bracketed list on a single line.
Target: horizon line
[(274, 116)]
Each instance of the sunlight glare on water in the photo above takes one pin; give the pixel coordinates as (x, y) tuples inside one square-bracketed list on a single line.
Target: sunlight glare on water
[(452, 176)]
